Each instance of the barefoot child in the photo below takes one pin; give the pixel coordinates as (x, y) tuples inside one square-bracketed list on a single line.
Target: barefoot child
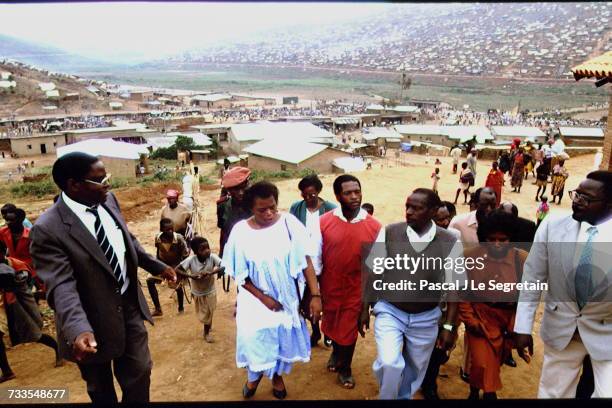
[(171, 250), (201, 267)]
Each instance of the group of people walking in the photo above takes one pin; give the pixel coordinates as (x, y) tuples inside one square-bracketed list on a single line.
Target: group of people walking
[(308, 265)]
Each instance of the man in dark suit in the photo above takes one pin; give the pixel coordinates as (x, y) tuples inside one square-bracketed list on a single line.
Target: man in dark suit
[(88, 260)]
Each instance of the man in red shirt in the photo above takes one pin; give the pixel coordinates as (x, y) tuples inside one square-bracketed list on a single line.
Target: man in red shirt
[(343, 233)]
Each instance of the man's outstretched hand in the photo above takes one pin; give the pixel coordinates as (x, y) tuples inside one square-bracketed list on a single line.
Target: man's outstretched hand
[(169, 274)]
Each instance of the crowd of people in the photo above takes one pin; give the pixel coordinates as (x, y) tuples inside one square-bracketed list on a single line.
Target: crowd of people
[(312, 266)]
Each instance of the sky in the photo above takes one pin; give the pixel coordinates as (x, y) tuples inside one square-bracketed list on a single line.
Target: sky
[(133, 32)]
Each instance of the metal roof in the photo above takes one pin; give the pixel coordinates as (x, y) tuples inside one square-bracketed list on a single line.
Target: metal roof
[(211, 97), (429, 130), (517, 131), (406, 109), (294, 152), (292, 131), (105, 147), (581, 132), (465, 133), (345, 121)]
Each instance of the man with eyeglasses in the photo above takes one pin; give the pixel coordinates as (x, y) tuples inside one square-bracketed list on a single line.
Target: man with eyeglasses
[(84, 253), (572, 254)]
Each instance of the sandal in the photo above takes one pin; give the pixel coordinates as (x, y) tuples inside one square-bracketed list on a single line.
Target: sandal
[(347, 381), (331, 363), (249, 392)]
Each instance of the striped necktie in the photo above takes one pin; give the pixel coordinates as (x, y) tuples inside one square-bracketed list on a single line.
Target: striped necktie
[(584, 270), (106, 247)]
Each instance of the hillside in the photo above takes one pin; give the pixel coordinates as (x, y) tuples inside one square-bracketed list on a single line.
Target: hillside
[(509, 40), (12, 48), (27, 99)]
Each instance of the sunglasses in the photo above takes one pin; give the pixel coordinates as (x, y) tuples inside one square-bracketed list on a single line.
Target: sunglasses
[(104, 182)]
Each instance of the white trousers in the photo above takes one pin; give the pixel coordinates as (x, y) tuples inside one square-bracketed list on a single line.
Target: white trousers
[(561, 372)]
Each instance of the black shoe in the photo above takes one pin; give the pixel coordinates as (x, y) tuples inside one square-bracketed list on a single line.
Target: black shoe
[(314, 339), (249, 392), (464, 376), (430, 394), (279, 394), (510, 362)]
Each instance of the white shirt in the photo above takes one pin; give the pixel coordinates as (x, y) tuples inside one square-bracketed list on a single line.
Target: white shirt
[(455, 154), (312, 223), (112, 230), (188, 185), (317, 260), (558, 147), (419, 243)]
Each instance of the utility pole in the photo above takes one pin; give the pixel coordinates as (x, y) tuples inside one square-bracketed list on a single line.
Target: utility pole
[(405, 82)]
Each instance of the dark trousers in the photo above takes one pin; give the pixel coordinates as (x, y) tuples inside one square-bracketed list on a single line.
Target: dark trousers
[(132, 369), (433, 369), (586, 384), (454, 168), (151, 282), (344, 357)]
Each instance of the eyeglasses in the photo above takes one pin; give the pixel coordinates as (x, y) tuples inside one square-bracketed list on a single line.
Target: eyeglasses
[(577, 196), (104, 182)]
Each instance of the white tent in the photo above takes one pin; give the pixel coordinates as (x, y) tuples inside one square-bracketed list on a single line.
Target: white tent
[(105, 147)]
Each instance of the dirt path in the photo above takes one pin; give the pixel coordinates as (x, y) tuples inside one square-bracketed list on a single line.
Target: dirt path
[(188, 369)]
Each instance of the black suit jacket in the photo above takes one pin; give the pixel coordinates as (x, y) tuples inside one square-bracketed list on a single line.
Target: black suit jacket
[(525, 233), (81, 287)]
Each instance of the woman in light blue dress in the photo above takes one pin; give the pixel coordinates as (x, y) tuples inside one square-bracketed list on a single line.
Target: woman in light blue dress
[(268, 255)]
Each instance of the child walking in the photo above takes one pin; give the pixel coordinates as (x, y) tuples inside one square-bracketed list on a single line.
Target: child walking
[(171, 250), (542, 211), (435, 176), (201, 267)]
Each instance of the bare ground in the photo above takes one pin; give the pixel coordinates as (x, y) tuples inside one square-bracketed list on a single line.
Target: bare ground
[(188, 369)]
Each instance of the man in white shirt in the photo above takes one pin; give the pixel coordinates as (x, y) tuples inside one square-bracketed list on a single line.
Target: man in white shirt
[(455, 153), (406, 324), (572, 254), (188, 190)]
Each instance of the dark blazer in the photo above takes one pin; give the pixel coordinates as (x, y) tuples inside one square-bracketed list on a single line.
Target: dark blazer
[(525, 232), (81, 287)]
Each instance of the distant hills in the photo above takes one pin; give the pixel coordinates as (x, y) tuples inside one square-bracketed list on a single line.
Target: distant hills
[(46, 57)]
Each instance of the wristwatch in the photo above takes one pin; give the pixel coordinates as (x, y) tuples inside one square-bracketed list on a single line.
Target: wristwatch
[(448, 326)]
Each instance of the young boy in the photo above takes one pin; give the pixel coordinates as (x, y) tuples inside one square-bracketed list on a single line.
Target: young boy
[(435, 176), (171, 250), (201, 268)]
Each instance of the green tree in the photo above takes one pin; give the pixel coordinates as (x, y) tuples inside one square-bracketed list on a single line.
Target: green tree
[(182, 143)]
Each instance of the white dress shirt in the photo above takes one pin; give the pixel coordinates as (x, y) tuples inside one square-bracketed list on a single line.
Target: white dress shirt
[(419, 243), (312, 223), (112, 230)]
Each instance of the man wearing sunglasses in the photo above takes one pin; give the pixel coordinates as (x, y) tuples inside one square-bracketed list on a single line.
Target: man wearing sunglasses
[(572, 254), (88, 259)]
